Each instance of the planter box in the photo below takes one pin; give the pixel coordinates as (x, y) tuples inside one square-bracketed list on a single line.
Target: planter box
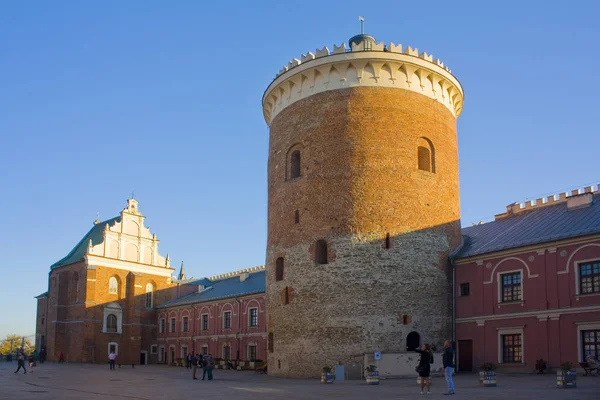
[(566, 379), (487, 378), (327, 377), (373, 378)]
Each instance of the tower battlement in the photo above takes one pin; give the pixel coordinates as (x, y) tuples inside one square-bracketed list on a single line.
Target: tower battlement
[(236, 273), (517, 208), (363, 63), (356, 47)]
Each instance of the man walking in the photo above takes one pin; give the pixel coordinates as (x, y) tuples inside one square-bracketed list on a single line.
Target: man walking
[(194, 366), (188, 359), (448, 360), (21, 362), (111, 359)]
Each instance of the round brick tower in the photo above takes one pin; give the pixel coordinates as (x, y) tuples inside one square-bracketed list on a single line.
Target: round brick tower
[(363, 204)]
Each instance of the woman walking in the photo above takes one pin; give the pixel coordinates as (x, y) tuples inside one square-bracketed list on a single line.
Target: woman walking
[(424, 367)]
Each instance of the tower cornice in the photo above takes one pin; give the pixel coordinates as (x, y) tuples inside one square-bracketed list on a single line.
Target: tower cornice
[(379, 67)]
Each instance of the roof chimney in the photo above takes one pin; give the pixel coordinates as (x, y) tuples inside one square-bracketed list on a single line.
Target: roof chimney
[(577, 201), (244, 276)]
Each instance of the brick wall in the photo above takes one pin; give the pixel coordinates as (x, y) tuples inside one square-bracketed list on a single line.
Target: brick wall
[(359, 182)]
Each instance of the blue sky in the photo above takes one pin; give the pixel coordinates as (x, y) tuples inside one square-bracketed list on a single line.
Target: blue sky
[(99, 99)]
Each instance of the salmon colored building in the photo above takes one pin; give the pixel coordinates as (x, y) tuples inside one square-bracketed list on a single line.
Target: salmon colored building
[(527, 285), (223, 316)]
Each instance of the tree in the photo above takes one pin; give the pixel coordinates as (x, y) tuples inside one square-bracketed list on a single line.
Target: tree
[(16, 340)]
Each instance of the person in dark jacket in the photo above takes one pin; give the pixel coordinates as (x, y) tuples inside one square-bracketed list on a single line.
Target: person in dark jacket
[(448, 361), (424, 367), (195, 366)]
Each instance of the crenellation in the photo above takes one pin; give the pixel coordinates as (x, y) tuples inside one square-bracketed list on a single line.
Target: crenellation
[(426, 56), (411, 52), (392, 48), (236, 273), (516, 208), (339, 49), (356, 47)]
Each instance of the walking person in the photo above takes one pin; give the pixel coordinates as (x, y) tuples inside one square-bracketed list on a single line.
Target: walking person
[(111, 360), (424, 367), (21, 362), (448, 362), (31, 363), (188, 360), (61, 358), (195, 361)]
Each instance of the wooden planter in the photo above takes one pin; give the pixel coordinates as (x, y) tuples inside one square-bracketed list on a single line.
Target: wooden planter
[(487, 378), (566, 379), (327, 377), (373, 378)]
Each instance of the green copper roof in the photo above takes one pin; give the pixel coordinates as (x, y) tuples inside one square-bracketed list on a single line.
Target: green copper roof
[(95, 235)]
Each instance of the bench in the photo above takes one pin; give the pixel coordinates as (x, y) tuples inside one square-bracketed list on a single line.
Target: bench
[(588, 369)]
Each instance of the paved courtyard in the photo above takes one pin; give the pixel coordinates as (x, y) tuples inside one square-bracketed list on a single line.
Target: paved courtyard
[(74, 381)]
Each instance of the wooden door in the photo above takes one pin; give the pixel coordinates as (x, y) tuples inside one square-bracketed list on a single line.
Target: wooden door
[(465, 355)]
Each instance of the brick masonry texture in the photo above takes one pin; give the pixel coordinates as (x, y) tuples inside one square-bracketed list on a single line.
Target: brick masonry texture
[(359, 181)]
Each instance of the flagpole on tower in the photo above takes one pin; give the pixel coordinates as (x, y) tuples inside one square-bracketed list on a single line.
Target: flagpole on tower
[(362, 25)]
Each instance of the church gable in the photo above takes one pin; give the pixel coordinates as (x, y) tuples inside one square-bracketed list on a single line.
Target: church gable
[(123, 238)]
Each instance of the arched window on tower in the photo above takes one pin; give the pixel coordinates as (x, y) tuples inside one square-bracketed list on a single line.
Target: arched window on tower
[(279, 269), (149, 295), (113, 285), (425, 155), (321, 252), (295, 164), (111, 323)]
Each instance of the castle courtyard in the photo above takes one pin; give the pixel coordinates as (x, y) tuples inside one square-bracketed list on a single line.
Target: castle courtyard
[(89, 381)]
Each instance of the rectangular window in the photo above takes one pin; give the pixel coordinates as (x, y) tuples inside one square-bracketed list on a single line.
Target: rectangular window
[(163, 325), (251, 353), (511, 287), (253, 317), (511, 349), (591, 344), (184, 351), (205, 350), (226, 353), (112, 348), (204, 322), (227, 320), (153, 349), (589, 278), (465, 289), (185, 324), (172, 324)]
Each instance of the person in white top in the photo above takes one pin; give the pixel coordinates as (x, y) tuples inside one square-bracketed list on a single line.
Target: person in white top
[(111, 359)]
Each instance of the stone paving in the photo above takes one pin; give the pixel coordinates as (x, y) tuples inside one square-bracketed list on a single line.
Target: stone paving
[(83, 381)]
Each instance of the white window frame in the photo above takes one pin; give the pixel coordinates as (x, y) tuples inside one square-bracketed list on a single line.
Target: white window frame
[(250, 317), (117, 311), (514, 330), (183, 325), (116, 285), (202, 322), (577, 279), (116, 348), (154, 349), (584, 326), (172, 326), (230, 319), (499, 279)]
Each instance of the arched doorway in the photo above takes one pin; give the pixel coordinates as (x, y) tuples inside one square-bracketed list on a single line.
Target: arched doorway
[(413, 341)]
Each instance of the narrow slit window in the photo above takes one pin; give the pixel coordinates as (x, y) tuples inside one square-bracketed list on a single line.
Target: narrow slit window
[(388, 243), (297, 217), (279, 269), (295, 164), (321, 252)]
